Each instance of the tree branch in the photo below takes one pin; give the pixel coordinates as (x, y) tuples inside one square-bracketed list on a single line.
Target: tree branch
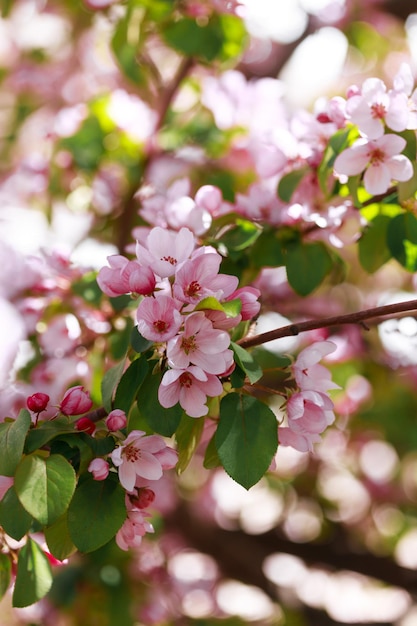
[(359, 317)]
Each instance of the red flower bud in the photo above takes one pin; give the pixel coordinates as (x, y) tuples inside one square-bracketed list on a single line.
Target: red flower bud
[(85, 425), (144, 498), (76, 401), (37, 402)]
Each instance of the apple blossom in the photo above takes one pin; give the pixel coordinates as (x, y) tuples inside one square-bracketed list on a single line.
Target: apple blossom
[(166, 250), (37, 402), (198, 278), (158, 318), (133, 529), (124, 276), (76, 401), (200, 344), (380, 159), (137, 456), (99, 468), (116, 420), (309, 373), (190, 387)]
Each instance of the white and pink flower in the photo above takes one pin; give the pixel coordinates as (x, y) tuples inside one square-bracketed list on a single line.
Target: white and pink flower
[(190, 387), (158, 318)]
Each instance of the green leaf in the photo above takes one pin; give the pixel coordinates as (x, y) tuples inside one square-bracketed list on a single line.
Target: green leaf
[(402, 240), (109, 383), (45, 432), (337, 143), (372, 246), (247, 363), (96, 513), (58, 539), (211, 457), (139, 343), (187, 436), (125, 45), (242, 235), (231, 308), (130, 383), (408, 189), (12, 441), (307, 266), (45, 486), (34, 575), (267, 250), (289, 183), (15, 520), (87, 145), (5, 573), (161, 420), (192, 39), (246, 438)]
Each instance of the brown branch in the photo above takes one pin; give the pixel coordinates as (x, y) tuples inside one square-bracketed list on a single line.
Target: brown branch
[(350, 318)]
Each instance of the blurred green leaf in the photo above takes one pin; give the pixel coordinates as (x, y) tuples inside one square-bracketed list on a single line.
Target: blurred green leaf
[(130, 383), (187, 436), (58, 539), (14, 519), (5, 573), (307, 265), (402, 240), (289, 183), (372, 246), (161, 420)]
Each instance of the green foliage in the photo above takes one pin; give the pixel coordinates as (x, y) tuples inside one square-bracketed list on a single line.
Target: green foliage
[(12, 441), (402, 240), (45, 486), (96, 513), (130, 383), (372, 247), (267, 251), (34, 575), (5, 573), (247, 363), (246, 438), (15, 520), (109, 383), (337, 143), (58, 538), (187, 436), (289, 183), (307, 265), (223, 37), (126, 43), (86, 145), (161, 420)]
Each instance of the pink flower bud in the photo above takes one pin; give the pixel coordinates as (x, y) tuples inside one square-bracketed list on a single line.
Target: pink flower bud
[(99, 469), (37, 402), (249, 298), (116, 420), (85, 425), (76, 401), (144, 498)]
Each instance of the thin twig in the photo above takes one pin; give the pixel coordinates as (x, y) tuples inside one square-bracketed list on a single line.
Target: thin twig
[(326, 322)]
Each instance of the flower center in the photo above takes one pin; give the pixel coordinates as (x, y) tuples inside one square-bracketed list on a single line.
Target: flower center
[(186, 380), (378, 111), (169, 259), (160, 326), (188, 344), (377, 156), (131, 453), (193, 289)]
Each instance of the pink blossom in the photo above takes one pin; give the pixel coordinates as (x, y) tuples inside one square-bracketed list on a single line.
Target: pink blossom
[(133, 529), (190, 387), (381, 160), (375, 106), (99, 469), (249, 298), (309, 373), (75, 401), (124, 276), (209, 198), (200, 344), (198, 278), (116, 420), (85, 425), (298, 441), (137, 456), (158, 318), (166, 250), (309, 412)]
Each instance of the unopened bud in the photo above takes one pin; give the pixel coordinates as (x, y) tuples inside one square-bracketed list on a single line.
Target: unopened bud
[(116, 420), (85, 425), (76, 401), (37, 402)]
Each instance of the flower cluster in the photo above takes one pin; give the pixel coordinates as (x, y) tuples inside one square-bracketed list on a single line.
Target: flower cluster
[(374, 109), (183, 311), (309, 409)]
